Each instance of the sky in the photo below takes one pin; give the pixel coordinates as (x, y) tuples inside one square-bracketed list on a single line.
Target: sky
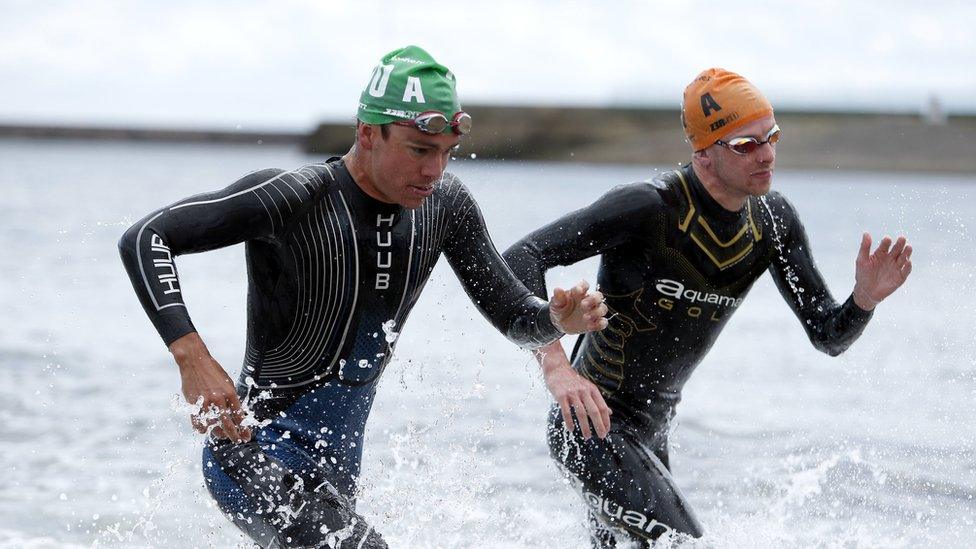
[(289, 64)]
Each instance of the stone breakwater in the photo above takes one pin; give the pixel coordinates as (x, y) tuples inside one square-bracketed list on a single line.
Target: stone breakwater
[(818, 140), (811, 140)]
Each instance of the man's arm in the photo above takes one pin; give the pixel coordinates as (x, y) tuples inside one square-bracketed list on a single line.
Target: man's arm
[(877, 275), (256, 206), (501, 297), (203, 222), (610, 221), (833, 327)]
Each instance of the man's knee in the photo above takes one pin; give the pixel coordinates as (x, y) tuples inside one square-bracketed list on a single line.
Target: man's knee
[(629, 518), (301, 513), (320, 523)]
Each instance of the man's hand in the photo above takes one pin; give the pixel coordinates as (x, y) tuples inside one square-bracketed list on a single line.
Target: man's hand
[(573, 392), (576, 311), (878, 275), (206, 384)]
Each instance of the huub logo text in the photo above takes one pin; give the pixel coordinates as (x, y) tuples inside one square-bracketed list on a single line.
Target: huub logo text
[(616, 512), (384, 258), (163, 262)]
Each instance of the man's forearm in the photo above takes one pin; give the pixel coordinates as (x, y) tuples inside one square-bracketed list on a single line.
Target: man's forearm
[(189, 349), (862, 300), (551, 357), (533, 328)]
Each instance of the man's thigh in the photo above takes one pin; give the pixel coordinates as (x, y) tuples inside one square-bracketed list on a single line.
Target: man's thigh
[(282, 498), (624, 484)]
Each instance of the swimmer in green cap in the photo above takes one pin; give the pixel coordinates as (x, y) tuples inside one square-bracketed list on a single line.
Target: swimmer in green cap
[(409, 121), (337, 253)]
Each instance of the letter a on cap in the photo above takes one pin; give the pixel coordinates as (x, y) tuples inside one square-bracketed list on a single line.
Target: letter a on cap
[(413, 90), (709, 104)]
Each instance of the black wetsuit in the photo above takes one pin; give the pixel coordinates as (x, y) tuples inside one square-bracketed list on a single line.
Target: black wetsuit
[(331, 272), (674, 267)]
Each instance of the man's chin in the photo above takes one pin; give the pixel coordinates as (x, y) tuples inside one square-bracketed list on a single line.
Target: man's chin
[(761, 185), (412, 203)]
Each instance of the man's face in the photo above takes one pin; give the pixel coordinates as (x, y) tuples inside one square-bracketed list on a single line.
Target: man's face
[(749, 174), (405, 165)]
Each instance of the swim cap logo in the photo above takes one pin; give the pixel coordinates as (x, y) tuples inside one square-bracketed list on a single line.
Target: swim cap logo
[(413, 90), (408, 60), (401, 114), (381, 78), (708, 104)]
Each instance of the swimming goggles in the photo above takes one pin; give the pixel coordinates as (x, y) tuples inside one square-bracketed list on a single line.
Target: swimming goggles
[(434, 123), (746, 145)]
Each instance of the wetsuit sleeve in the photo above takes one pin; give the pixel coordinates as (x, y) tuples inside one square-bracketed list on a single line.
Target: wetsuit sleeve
[(488, 281), (614, 219), (254, 207), (831, 327)]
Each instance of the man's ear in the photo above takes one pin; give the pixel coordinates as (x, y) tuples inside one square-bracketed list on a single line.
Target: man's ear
[(366, 134), (701, 158)]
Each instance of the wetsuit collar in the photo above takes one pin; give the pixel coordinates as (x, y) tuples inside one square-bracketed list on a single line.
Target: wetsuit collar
[(710, 207), (360, 195)]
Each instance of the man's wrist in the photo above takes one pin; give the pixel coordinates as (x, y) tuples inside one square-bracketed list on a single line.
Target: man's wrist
[(862, 301), (552, 358), (187, 348), (555, 320), (554, 367)]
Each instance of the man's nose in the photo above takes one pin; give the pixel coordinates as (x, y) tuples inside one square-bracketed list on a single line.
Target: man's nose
[(766, 153), (434, 166)]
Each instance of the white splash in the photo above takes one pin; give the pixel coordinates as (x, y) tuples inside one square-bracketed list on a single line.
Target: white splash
[(388, 332), (791, 277)]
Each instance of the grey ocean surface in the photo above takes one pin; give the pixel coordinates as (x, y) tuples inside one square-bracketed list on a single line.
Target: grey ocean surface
[(776, 444)]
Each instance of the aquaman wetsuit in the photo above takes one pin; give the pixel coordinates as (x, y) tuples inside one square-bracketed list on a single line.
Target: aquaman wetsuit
[(674, 267), (328, 268)]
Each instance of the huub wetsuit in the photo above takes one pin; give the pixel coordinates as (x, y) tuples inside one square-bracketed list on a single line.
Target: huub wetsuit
[(674, 267), (328, 266)]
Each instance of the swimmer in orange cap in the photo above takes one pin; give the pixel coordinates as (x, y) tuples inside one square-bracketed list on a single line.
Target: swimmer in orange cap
[(678, 255)]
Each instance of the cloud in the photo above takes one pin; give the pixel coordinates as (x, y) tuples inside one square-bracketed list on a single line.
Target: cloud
[(286, 64)]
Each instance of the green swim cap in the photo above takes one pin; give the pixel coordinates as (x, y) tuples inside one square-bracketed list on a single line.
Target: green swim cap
[(406, 83)]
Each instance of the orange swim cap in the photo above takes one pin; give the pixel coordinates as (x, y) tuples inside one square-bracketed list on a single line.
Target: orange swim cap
[(718, 101)]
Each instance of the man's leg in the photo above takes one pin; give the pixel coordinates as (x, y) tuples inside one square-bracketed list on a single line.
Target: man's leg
[(281, 497), (627, 488), (601, 536)]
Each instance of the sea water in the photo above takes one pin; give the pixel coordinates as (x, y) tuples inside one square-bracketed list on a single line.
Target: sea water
[(776, 444)]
